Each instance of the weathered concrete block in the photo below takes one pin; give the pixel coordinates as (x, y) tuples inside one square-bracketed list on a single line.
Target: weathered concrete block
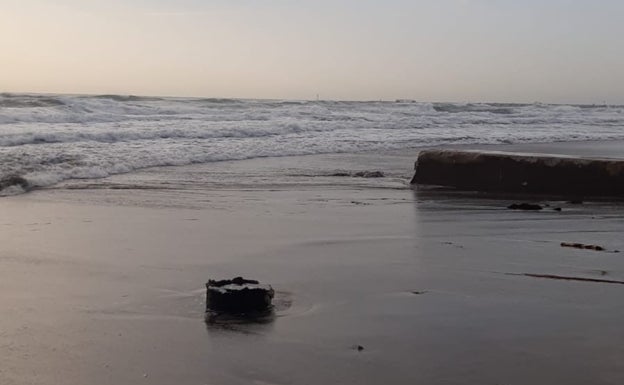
[(238, 295), (519, 172)]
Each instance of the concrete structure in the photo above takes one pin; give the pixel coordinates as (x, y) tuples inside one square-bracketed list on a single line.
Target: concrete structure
[(238, 295), (521, 173)]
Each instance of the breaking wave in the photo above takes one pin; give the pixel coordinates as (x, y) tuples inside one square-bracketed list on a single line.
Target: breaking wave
[(48, 138)]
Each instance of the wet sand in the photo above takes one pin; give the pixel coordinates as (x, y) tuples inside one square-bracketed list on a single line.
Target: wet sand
[(102, 282)]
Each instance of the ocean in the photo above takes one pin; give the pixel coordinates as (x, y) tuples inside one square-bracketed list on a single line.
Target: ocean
[(46, 139)]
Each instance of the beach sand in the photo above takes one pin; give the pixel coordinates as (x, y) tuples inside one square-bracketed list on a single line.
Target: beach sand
[(102, 282)]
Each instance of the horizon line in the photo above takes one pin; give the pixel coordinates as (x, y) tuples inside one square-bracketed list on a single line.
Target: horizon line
[(315, 99)]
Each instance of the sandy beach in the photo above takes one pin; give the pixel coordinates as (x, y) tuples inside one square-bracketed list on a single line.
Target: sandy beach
[(102, 281)]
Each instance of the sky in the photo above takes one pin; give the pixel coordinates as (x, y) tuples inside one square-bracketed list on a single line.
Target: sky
[(551, 51)]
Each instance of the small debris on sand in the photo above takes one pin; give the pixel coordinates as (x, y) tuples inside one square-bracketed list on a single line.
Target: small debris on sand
[(369, 174), (418, 292), (360, 174), (524, 206), (453, 244), (568, 278), (583, 246)]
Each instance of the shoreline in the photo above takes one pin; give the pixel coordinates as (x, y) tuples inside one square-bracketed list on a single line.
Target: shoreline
[(584, 148)]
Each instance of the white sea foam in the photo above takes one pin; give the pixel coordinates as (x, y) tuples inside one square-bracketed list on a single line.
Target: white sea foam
[(49, 138)]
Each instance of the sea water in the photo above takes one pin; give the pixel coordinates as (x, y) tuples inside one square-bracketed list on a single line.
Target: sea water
[(46, 139)]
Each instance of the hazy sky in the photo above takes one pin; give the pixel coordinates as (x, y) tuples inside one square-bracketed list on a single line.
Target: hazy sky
[(430, 50)]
